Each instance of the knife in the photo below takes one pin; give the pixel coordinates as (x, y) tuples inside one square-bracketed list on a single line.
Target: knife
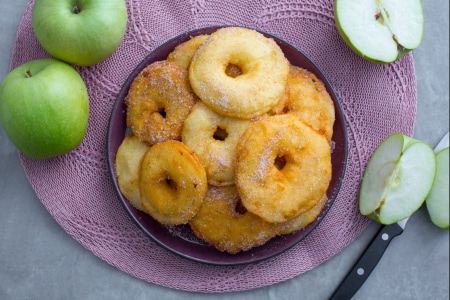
[(372, 255)]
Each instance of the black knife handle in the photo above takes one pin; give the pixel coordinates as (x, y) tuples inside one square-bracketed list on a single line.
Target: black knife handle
[(366, 263)]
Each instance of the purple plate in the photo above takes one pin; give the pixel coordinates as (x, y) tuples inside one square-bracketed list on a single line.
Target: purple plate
[(180, 239)]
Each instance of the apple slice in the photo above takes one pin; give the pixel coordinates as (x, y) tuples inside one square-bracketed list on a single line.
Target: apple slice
[(380, 30), (397, 179), (437, 201)]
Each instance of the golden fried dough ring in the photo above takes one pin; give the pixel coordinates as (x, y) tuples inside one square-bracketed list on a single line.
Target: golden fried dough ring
[(172, 183), (128, 163), (264, 72), (304, 219), (283, 167), (223, 223), (310, 99), (182, 54), (159, 100), (214, 138)]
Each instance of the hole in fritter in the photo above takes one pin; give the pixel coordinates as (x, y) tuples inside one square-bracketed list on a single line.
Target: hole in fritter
[(162, 112), (172, 184), (280, 162), (220, 134), (233, 70)]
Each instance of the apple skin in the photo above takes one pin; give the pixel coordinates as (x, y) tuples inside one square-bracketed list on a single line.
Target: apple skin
[(397, 179), (80, 38), (47, 114)]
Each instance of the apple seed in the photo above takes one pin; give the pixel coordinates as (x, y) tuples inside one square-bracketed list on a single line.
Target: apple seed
[(377, 15)]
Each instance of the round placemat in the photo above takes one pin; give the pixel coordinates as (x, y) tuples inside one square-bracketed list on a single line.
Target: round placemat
[(76, 188)]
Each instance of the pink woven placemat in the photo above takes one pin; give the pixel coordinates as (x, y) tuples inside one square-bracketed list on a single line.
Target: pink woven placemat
[(76, 188)]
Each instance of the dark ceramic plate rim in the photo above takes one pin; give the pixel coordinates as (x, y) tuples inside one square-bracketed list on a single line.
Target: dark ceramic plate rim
[(199, 252)]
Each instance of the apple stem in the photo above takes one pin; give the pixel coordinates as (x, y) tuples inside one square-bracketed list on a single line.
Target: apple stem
[(29, 73), (76, 9)]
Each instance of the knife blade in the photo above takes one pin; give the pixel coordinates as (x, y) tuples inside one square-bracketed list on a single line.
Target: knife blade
[(374, 251)]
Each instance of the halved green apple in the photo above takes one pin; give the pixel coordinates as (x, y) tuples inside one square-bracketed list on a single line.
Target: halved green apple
[(380, 30), (397, 179), (437, 202)]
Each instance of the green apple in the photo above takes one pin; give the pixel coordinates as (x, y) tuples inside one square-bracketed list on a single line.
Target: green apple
[(437, 202), (44, 108), (80, 32), (380, 30), (397, 179)]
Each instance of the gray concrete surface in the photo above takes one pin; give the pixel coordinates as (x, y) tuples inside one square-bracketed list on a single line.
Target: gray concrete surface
[(38, 260)]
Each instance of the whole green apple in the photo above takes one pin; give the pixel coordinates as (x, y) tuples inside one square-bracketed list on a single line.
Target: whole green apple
[(44, 108), (80, 32)]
